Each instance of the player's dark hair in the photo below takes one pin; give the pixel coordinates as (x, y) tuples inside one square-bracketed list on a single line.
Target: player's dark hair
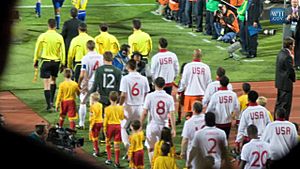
[(246, 87), (165, 148), (221, 72), (90, 45), (74, 12), (224, 81), (131, 64), (82, 27), (166, 135), (163, 43), (210, 119), (40, 129), (288, 42), (197, 107), (103, 27), (136, 24), (280, 113), (113, 96), (182, 68), (68, 73), (159, 82), (136, 54), (252, 96), (108, 56), (136, 124), (52, 23), (252, 130)]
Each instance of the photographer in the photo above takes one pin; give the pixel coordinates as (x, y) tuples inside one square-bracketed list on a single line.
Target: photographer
[(226, 24), (291, 20), (40, 133)]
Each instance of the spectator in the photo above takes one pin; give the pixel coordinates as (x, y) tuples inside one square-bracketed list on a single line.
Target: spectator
[(40, 133), (181, 12), (292, 13), (263, 102), (227, 26), (70, 29), (211, 8), (285, 77), (141, 65)]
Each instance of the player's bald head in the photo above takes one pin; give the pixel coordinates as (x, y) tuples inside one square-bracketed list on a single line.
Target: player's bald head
[(252, 131)]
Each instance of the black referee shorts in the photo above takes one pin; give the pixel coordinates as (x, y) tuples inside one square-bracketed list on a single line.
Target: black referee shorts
[(77, 70), (49, 68)]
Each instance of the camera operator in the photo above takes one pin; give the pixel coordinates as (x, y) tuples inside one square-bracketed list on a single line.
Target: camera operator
[(291, 20), (226, 24), (40, 133)]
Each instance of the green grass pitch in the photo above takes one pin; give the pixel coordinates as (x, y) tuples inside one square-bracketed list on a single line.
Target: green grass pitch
[(19, 73)]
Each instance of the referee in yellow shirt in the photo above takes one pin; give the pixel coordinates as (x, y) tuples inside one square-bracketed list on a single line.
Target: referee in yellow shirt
[(78, 49), (140, 41), (50, 49), (106, 41)]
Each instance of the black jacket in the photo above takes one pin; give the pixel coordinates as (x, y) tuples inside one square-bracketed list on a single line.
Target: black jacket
[(69, 31), (254, 11), (285, 73)]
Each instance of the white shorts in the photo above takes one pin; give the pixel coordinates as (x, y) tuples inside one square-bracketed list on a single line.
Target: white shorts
[(153, 134), (84, 96), (131, 113)]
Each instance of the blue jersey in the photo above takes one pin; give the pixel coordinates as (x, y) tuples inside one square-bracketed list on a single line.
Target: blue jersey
[(58, 3)]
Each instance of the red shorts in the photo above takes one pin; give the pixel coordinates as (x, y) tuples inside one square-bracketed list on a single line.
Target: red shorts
[(95, 131), (114, 131), (68, 107), (137, 160), (189, 101)]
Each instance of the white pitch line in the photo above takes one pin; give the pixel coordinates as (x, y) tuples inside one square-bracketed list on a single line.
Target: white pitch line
[(253, 60), (206, 40), (179, 27), (154, 13), (220, 47), (191, 33), (94, 5), (166, 19)]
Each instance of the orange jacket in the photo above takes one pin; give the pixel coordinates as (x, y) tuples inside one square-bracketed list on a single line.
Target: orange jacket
[(236, 2), (163, 2), (174, 6)]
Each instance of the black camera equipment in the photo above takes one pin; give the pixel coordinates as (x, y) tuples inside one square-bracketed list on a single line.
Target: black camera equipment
[(64, 138)]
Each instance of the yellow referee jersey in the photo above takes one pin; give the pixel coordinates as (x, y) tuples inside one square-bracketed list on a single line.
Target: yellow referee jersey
[(141, 42), (50, 46), (107, 42), (243, 99), (78, 48), (80, 4), (96, 113), (136, 142), (165, 162), (67, 91), (113, 115)]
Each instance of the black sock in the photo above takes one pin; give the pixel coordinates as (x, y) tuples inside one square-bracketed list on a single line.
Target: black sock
[(47, 98), (52, 91)]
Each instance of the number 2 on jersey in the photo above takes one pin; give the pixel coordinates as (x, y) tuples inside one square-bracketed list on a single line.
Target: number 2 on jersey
[(135, 91), (110, 84), (212, 149)]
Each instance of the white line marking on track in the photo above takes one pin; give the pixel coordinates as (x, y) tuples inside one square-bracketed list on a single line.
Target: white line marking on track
[(220, 47), (166, 19), (206, 40), (94, 5), (191, 33), (179, 27), (253, 60), (154, 13)]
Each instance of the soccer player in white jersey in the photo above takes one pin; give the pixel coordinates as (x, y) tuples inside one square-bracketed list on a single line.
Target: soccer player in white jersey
[(256, 153), (253, 114), (158, 105), (90, 62), (191, 126), (224, 104), (209, 141), (134, 88), (165, 64), (195, 78), (281, 135), (214, 86)]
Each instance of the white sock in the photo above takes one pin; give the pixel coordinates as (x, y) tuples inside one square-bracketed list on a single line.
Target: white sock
[(124, 137), (82, 113), (150, 154)]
